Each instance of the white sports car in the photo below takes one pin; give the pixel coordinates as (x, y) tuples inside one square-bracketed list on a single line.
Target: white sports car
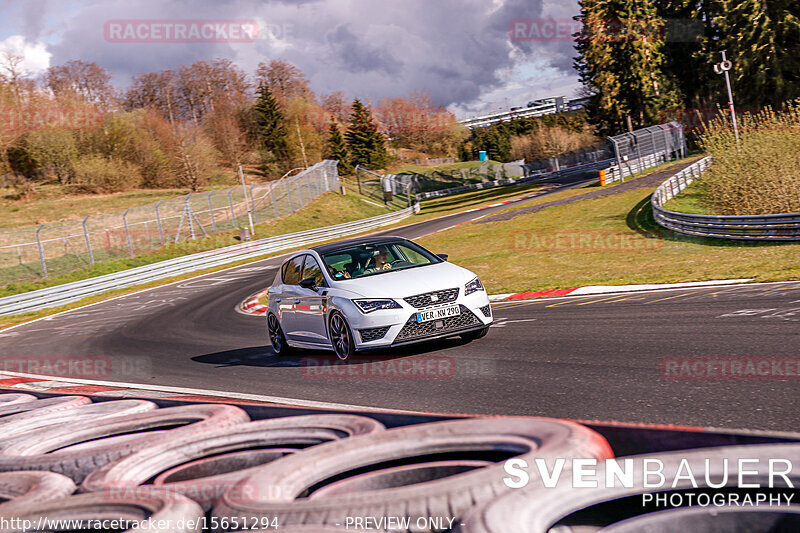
[(372, 292)]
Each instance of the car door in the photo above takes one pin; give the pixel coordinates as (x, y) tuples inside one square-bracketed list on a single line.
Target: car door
[(287, 313), (310, 305)]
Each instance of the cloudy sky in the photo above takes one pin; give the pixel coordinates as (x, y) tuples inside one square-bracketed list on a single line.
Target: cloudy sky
[(458, 50)]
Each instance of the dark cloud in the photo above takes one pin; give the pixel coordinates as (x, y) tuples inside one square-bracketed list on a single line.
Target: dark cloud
[(458, 50), (359, 55)]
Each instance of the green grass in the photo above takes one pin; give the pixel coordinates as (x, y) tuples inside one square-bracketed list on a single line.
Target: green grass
[(51, 204), (468, 200), (693, 200), (603, 241), (329, 209)]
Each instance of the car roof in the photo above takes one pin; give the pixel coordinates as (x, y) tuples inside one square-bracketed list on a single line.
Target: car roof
[(341, 245)]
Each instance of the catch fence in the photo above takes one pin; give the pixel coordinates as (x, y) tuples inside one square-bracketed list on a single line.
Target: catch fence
[(34, 252)]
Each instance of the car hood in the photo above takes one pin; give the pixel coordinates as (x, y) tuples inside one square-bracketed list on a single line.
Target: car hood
[(408, 282)]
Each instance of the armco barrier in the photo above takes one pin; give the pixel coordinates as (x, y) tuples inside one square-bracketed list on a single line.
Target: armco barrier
[(77, 290), (632, 166), (777, 227), (536, 178)]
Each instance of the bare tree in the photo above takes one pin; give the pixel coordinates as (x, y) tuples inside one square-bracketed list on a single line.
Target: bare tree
[(154, 90), (284, 80), (87, 80), (13, 73)]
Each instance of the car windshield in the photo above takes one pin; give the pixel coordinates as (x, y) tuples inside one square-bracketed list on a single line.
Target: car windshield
[(371, 259)]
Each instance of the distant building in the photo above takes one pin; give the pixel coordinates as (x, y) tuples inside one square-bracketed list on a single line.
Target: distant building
[(535, 108)]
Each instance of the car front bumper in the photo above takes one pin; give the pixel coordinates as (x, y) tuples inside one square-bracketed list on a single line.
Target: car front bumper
[(394, 327)]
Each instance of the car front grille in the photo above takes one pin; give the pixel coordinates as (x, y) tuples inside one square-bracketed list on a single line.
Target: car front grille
[(433, 298), (415, 330), (487, 310), (373, 334)]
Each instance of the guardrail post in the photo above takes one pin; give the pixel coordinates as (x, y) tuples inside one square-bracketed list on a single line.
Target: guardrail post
[(127, 233), (41, 250), (88, 243), (233, 212), (158, 220), (211, 212)]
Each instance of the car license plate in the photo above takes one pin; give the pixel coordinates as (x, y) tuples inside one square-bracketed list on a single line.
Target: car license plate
[(436, 314)]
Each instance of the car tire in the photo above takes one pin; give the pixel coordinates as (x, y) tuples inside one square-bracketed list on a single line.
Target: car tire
[(341, 336), (475, 335), (276, 337), (293, 478), (40, 407), (53, 448), (157, 510), (18, 488), (234, 451), (10, 399)]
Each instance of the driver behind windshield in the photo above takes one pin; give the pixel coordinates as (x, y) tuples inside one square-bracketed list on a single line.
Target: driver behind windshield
[(381, 261)]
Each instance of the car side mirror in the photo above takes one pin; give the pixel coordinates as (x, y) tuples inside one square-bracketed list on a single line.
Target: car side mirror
[(443, 256), (309, 283)]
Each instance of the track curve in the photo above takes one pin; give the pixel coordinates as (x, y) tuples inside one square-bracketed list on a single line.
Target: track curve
[(575, 357)]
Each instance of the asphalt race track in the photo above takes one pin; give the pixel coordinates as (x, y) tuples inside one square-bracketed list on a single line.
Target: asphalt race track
[(627, 357)]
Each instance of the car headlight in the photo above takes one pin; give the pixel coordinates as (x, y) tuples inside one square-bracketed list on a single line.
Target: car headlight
[(368, 306), (473, 286)]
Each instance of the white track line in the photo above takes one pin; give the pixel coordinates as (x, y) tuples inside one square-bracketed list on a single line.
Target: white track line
[(620, 293), (202, 392)]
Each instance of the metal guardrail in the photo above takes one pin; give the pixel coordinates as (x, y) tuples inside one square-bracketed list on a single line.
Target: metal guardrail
[(78, 290), (632, 167), (508, 182), (777, 227)]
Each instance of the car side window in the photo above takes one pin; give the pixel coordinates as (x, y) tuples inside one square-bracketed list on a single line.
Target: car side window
[(292, 270), (311, 269)]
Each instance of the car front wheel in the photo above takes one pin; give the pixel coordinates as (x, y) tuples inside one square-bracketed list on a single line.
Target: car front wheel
[(341, 336), (276, 336)]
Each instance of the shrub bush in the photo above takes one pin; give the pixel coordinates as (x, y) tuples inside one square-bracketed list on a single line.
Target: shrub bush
[(96, 174), (762, 174)]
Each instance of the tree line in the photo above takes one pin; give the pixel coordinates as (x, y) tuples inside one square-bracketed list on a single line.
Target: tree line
[(190, 126), (642, 59)]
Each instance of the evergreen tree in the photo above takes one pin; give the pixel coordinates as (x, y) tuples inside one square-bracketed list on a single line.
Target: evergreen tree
[(494, 140), (762, 40), (620, 61), (365, 142), (336, 149), (270, 131)]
